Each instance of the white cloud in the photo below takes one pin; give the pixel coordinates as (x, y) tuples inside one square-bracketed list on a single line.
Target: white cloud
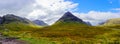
[(50, 11), (15, 6), (46, 10), (96, 17)]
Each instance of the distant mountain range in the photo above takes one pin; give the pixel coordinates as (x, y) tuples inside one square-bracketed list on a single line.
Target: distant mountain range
[(9, 18), (68, 17)]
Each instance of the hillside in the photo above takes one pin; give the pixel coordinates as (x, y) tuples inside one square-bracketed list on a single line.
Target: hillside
[(68, 30), (114, 21), (12, 18), (75, 33), (12, 22)]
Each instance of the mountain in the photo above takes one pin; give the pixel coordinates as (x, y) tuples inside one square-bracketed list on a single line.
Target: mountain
[(1, 20), (39, 22), (12, 22), (68, 17), (88, 23), (12, 18), (70, 28), (114, 21)]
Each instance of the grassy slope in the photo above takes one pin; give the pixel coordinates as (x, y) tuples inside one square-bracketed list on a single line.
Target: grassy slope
[(112, 22), (64, 33), (18, 26), (75, 33)]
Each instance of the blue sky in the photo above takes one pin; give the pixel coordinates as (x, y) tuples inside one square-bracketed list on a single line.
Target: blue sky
[(97, 5)]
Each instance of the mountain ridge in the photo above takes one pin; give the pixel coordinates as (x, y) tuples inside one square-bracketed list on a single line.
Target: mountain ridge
[(8, 18), (68, 17)]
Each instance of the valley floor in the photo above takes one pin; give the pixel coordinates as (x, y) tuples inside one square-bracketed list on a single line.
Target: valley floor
[(71, 35)]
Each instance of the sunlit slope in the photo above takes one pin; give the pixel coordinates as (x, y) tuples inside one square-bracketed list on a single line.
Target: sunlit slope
[(73, 30), (112, 23), (67, 33), (18, 26)]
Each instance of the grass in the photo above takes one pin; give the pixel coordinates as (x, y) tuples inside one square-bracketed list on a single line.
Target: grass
[(64, 33), (16, 26)]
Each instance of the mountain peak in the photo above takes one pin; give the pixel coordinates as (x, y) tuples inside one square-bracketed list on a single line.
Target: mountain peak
[(69, 17), (68, 14)]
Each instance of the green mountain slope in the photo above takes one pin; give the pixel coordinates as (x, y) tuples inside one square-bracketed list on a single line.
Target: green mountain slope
[(78, 34), (12, 22), (18, 26), (112, 23), (66, 33), (115, 21)]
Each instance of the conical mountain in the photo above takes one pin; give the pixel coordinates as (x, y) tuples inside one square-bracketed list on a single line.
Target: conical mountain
[(40, 22), (68, 17)]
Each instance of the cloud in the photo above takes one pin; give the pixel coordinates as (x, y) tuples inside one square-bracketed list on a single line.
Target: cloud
[(52, 10), (15, 6), (96, 17), (48, 11)]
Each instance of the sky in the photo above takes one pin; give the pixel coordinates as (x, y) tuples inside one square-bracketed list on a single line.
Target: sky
[(97, 5), (93, 11)]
